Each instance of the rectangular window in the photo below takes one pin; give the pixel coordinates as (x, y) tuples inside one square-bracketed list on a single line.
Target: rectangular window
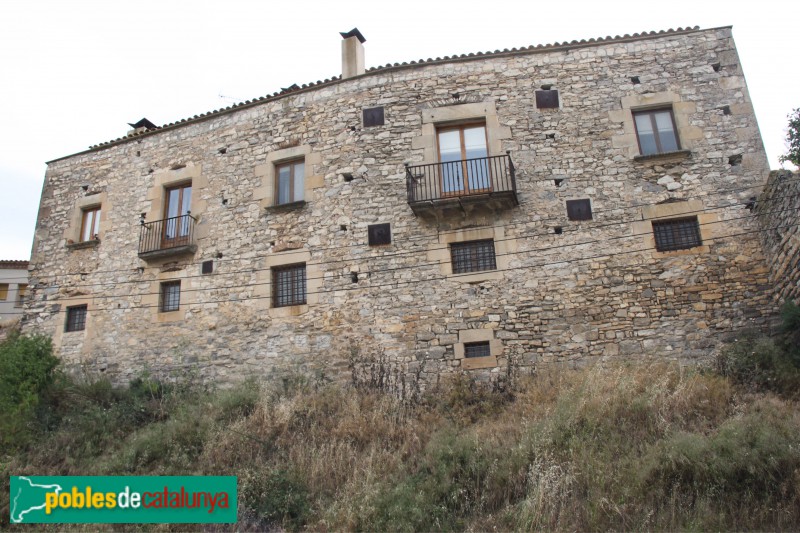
[(677, 234), (90, 223), (579, 209), (463, 153), (3, 291), (473, 256), (289, 179), (655, 130), (170, 296), (22, 290), (289, 285), (177, 218), (76, 318), (477, 349)]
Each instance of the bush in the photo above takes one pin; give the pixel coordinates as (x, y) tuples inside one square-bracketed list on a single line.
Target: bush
[(27, 365)]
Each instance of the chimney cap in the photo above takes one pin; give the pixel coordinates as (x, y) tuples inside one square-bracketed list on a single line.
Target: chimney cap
[(353, 33), (143, 123)]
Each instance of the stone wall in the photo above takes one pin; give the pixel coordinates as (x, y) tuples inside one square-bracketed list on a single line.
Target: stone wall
[(565, 292), (778, 210)]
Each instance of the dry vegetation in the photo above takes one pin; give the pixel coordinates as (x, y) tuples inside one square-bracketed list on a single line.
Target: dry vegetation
[(628, 447)]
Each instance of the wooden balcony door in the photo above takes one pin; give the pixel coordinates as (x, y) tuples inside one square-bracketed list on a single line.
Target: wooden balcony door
[(176, 226), (462, 156)]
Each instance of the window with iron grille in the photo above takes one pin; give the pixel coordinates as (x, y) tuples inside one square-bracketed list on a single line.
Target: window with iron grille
[(170, 296), (655, 131), (473, 256), (677, 234), (477, 349), (289, 285), (76, 318)]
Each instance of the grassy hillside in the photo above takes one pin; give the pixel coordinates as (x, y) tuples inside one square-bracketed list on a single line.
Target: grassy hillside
[(625, 447)]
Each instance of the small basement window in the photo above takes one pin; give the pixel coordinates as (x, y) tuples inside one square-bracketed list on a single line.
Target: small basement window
[(477, 349), (579, 209), (677, 234)]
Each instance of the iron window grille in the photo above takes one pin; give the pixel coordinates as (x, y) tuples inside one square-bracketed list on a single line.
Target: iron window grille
[(477, 349), (76, 318), (656, 131), (289, 285), (473, 256), (677, 234), (170, 296)]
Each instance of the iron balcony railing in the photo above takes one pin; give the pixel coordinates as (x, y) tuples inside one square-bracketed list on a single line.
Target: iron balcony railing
[(167, 234), (457, 179)]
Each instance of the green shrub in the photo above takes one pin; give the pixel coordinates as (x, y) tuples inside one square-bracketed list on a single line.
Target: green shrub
[(759, 363), (278, 497), (26, 369)]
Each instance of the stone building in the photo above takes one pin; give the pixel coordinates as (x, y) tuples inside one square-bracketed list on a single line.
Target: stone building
[(564, 203), (13, 288)]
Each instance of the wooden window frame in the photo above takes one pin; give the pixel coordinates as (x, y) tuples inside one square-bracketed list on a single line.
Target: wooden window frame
[(76, 318), (179, 238), (165, 300), (692, 225), (475, 249), (92, 214), (291, 163), (651, 113), (4, 288), (22, 290), (464, 169), (291, 298)]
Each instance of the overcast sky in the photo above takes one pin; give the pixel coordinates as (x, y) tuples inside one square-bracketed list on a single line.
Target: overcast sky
[(74, 73)]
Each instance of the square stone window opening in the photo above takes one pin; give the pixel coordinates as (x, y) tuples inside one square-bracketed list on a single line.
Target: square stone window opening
[(373, 116), (677, 234), (289, 181), (473, 256), (547, 98), (76, 318), (379, 234), (289, 285), (656, 131), (170, 296), (579, 209)]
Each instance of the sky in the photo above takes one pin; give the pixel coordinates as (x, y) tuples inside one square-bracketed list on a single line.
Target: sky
[(74, 73)]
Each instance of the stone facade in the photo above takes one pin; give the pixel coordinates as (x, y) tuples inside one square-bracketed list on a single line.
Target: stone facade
[(778, 210), (563, 291)]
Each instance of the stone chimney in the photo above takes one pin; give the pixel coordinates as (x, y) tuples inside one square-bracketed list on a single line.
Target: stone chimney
[(352, 53)]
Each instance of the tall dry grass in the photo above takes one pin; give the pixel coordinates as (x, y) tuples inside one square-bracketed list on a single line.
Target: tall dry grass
[(620, 447)]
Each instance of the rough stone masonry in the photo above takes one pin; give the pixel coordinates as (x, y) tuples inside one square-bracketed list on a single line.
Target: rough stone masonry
[(559, 289)]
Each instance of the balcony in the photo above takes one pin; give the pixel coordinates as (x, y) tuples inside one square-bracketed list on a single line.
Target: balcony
[(480, 184), (170, 237)]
